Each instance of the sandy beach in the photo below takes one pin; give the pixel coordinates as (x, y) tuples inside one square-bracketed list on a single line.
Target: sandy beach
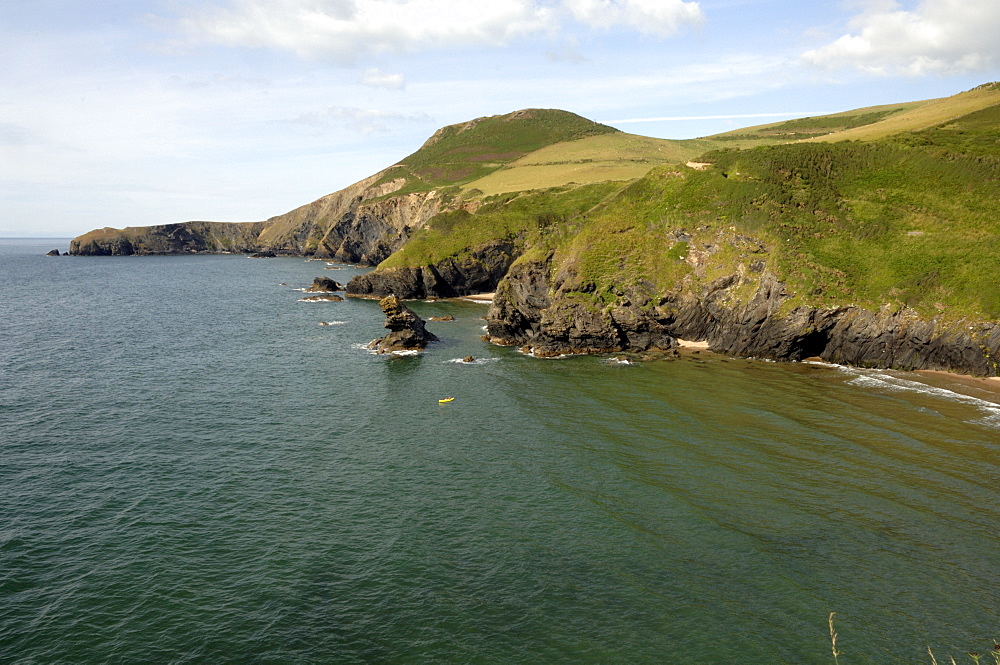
[(480, 297), (988, 385), (694, 346)]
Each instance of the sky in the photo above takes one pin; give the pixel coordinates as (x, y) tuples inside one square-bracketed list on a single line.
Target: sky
[(138, 112)]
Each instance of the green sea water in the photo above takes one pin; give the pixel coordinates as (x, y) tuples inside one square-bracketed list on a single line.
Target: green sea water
[(194, 470)]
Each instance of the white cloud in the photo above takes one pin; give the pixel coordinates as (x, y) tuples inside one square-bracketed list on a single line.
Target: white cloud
[(934, 37), (347, 31), (657, 17), (376, 78)]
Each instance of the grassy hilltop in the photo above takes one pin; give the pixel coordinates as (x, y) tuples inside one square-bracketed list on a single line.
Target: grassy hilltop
[(893, 204)]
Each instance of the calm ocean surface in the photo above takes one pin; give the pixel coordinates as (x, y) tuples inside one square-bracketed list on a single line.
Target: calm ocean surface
[(193, 470)]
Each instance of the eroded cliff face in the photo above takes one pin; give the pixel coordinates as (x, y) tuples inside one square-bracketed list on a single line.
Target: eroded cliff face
[(185, 238), (478, 271), (534, 310), (361, 224), (549, 317)]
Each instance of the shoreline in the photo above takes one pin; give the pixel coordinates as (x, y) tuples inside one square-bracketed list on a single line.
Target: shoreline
[(987, 384), (483, 298)]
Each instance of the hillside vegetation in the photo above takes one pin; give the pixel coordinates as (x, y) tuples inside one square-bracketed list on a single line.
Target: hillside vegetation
[(865, 237), (607, 157), (911, 219), (461, 153), (618, 156), (921, 115)]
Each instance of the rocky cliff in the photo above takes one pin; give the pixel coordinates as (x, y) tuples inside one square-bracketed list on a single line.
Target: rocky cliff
[(184, 238), (478, 271), (536, 312), (363, 223), (366, 222)]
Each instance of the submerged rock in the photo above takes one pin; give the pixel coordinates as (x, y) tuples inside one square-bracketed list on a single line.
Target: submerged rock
[(407, 331), (449, 317), (323, 298)]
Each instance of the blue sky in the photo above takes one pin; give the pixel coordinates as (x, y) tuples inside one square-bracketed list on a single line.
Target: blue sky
[(129, 113)]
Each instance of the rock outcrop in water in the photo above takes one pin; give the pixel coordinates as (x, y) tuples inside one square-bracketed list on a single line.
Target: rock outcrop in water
[(407, 331), (325, 285)]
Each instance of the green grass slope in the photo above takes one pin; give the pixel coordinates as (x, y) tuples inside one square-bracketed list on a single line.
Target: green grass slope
[(849, 223), (865, 124), (617, 156), (922, 115), (811, 127), (458, 154), (528, 219), (607, 157)]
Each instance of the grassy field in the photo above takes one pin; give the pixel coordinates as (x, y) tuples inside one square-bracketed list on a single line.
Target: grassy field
[(922, 115), (805, 128), (619, 156), (544, 176), (459, 154)]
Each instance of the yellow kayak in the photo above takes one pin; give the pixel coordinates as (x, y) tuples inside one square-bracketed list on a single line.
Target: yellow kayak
[(446, 399)]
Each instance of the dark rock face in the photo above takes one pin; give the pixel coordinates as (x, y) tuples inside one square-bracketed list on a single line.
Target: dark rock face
[(360, 224), (407, 331), (325, 285), (54, 252), (888, 338), (184, 238), (532, 312), (478, 272)]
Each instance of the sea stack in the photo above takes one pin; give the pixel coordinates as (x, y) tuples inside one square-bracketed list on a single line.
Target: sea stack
[(407, 331)]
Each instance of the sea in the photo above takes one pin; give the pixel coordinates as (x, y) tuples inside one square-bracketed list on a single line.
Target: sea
[(197, 466)]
